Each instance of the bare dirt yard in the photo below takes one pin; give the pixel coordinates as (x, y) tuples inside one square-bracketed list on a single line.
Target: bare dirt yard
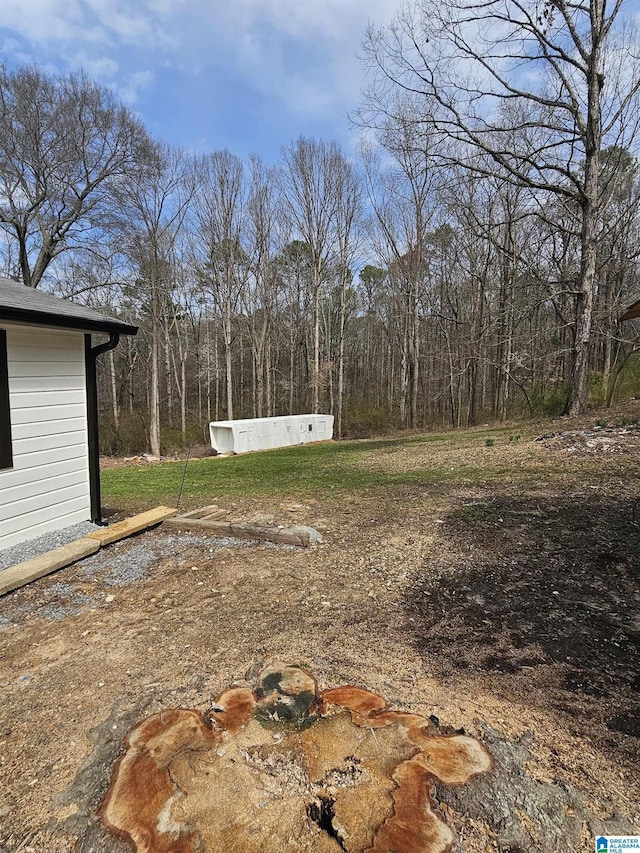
[(501, 597)]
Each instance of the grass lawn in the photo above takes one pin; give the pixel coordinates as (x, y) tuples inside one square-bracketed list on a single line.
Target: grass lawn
[(313, 471)]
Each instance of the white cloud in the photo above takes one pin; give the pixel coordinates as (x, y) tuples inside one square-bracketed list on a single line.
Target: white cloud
[(307, 19), (41, 20), (13, 48), (300, 52), (113, 22), (134, 84), (101, 68)]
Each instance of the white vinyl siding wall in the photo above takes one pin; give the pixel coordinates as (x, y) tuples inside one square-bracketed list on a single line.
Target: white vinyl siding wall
[(48, 487)]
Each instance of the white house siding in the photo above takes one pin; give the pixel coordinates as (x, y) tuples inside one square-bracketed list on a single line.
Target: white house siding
[(48, 487)]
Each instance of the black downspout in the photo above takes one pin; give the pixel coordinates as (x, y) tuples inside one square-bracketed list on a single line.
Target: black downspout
[(90, 356)]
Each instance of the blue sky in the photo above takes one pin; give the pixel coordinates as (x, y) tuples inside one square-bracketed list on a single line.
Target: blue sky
[(248, 75)]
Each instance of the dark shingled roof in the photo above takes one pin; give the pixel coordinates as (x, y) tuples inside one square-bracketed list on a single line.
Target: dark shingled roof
[(632, 311), (20, 304)]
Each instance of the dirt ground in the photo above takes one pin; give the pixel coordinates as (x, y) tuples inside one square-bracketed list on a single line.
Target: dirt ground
[(507, 605)]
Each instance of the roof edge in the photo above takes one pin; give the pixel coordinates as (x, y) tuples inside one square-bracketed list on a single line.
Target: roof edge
[(631, 313), (42, 318)]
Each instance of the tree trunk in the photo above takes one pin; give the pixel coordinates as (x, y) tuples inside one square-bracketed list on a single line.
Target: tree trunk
[(183, 395), (315, 379), (154, 391), (341, 357), (228, 357), (114, 391), (577, 402)]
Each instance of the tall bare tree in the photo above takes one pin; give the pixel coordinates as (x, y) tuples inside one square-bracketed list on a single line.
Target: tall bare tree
[(264, 239), (560, 72), (152, 207), (346, 237), (401, 193), (64, 143), (311, 197), (219, 214)]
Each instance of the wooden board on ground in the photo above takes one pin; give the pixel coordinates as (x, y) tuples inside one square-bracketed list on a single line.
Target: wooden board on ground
[(45, 564), (132, 525), (205, 513), (205, 520)]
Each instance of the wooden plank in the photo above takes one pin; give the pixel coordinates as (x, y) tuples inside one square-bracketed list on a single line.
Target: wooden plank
[(212, 516), (132, 525), (280, 535), (200, 512), (45, 564), (198, 524)]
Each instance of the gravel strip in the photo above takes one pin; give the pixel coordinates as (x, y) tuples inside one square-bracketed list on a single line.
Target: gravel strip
[(35, 547), (115, 566), (128, 561)]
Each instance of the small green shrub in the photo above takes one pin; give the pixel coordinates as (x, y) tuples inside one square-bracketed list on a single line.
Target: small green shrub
[(489, 442), (128, 439), (364, 420), (628, 384), (549, 401), (596, 389)]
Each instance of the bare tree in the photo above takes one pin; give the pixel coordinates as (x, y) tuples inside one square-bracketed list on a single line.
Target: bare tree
[(346, 234), (402, 197), (294, 269), (558, 72), (264, 237), (223, 265), (311, 198), (152, 207), (64, 143)]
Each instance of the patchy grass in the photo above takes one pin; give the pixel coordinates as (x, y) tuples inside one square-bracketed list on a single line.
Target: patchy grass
[(304, 471), (315, 471)]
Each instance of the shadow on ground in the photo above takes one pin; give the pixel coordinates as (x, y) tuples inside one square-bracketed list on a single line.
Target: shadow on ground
[(531, 584)]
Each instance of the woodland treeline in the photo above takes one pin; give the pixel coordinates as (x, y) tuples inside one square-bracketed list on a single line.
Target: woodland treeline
[(469, 262)]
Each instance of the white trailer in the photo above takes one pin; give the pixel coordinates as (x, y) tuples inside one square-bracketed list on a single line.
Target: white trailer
[(247, 434)]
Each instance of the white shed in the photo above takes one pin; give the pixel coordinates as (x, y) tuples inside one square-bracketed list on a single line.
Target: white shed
[(243, 435), (49, 455)]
